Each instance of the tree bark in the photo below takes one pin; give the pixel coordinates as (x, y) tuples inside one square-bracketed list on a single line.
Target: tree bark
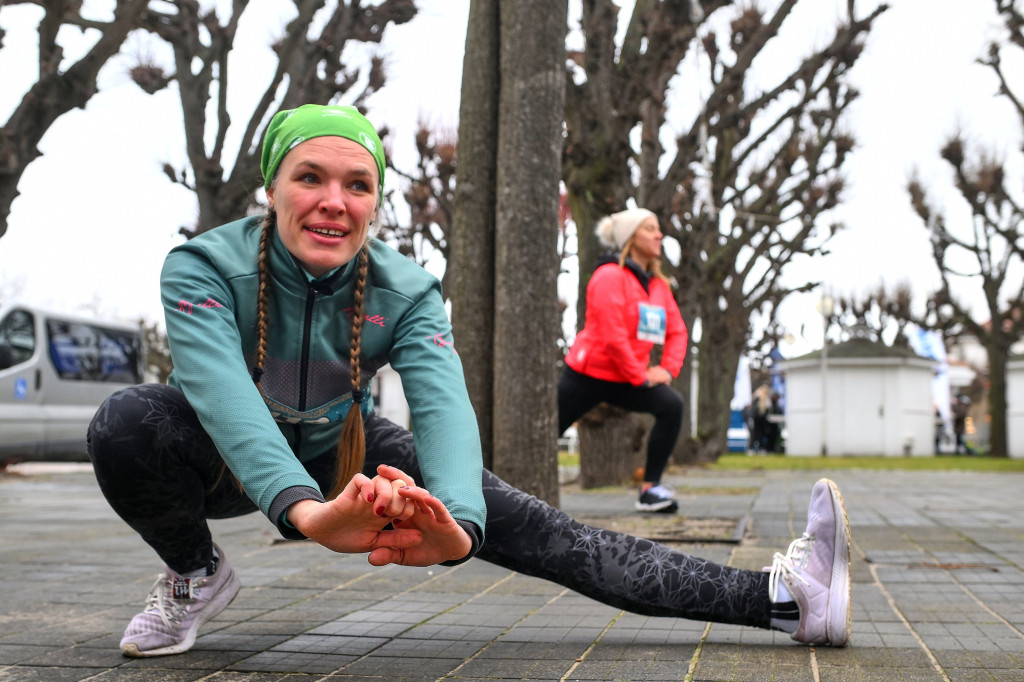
[(470, 266), (612, 444), (997, 444), (526, 265)]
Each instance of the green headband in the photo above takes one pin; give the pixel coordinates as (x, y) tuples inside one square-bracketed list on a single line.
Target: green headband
[(291, 127)]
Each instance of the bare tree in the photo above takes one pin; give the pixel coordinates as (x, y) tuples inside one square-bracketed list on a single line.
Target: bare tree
[(430, 198), (882, 314), (749, 183), (310, 69), (990, 249), (57, 90)]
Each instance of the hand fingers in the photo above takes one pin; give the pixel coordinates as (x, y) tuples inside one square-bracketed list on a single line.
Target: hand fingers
[(393, 473), (398, 539), (440, 511), (427, 503), (359, 488), (384, 556), (387, 504)]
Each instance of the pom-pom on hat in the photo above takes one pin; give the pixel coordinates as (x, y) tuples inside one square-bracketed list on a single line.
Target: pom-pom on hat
[(615, 230)]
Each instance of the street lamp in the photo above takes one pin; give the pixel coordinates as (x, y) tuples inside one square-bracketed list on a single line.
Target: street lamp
[(825, 307)]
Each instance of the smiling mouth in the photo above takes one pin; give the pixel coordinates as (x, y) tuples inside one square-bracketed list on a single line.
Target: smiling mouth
[(326, 232)]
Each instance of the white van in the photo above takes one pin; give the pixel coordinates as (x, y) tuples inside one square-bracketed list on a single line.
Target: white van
[(55, 371)]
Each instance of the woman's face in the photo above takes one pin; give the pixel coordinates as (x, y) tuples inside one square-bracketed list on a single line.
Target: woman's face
[(646, 245), (325, 196)]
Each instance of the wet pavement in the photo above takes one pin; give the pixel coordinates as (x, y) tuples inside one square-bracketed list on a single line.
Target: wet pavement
[(938, 592)]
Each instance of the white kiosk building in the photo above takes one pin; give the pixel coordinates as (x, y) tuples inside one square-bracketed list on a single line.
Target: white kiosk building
[(1015, 407), (860, 397)]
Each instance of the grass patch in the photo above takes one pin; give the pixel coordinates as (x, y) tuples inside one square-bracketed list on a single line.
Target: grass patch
[(742, 462), (567, 460)]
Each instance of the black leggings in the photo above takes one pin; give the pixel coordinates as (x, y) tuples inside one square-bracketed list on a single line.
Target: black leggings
[(161, 473), (578, 394)]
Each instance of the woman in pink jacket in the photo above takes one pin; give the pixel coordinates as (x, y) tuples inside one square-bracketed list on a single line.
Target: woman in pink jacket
[(630, 308)]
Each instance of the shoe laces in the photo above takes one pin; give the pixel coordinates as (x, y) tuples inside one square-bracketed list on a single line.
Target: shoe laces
[(793, 563), (162, 602)]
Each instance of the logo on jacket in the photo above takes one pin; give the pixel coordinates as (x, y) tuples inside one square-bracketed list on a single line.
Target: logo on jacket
[(378, 320), (186, 306), (441, 342)]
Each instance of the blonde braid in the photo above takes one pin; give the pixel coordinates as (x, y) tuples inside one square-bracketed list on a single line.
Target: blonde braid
[(352, 442), (263, 297)]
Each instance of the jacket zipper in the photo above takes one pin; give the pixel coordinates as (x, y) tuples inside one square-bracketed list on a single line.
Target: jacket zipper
[(307, 325)]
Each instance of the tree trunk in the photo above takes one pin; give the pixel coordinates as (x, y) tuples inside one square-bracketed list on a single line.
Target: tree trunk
[(470, 267), (715, 386), (997, 401), (526, 265), (612, 443)]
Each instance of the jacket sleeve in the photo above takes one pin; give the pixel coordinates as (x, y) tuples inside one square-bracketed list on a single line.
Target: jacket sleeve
[(443, 422), (607, 302), (210, 369), (677, 337)]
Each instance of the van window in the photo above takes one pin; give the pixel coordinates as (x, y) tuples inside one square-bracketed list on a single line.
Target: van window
[(17, 332), (87, 352)]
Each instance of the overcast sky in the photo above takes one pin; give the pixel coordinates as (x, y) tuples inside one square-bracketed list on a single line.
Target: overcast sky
[(96, 215)]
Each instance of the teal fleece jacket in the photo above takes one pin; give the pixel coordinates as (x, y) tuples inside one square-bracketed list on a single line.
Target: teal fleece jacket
[(209, 290)]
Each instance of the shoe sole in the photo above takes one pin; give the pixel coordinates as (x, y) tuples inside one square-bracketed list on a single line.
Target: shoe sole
[(840, 617), (666, 507), (212, 609)]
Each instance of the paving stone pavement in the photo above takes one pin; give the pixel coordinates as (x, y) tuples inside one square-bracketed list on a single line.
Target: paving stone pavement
[(938, 571)]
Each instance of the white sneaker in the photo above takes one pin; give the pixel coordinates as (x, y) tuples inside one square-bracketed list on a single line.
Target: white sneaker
[(816, 570), (176, 608), (657, 499)]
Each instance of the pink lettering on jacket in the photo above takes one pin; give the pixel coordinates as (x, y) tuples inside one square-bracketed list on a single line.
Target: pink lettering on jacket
[(186, 306), (441, 342), (378, 320)]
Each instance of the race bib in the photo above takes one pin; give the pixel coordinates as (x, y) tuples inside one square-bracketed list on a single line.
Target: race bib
[(652, 323)]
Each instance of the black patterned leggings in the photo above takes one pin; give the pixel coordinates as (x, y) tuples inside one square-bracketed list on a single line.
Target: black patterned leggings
[(162, 474), (578, 394)]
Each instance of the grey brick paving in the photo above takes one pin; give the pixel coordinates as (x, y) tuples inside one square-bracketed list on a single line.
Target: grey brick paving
[(938, 571)]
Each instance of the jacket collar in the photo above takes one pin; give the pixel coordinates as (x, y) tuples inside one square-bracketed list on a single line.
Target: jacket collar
[(641, 275)]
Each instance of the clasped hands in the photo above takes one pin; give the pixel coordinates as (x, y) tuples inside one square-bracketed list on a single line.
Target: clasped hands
[(658, 375), (423, 531)]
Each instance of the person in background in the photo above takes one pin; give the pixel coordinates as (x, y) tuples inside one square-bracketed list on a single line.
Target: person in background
[(760, 409), (961, 404), (776, 420), (276, 324), (630, 309)]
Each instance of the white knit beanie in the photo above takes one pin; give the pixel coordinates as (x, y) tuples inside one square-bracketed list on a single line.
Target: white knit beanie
[(615, 230)]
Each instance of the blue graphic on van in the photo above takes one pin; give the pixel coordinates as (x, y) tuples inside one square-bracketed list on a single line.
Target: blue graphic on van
[(20, 389)]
